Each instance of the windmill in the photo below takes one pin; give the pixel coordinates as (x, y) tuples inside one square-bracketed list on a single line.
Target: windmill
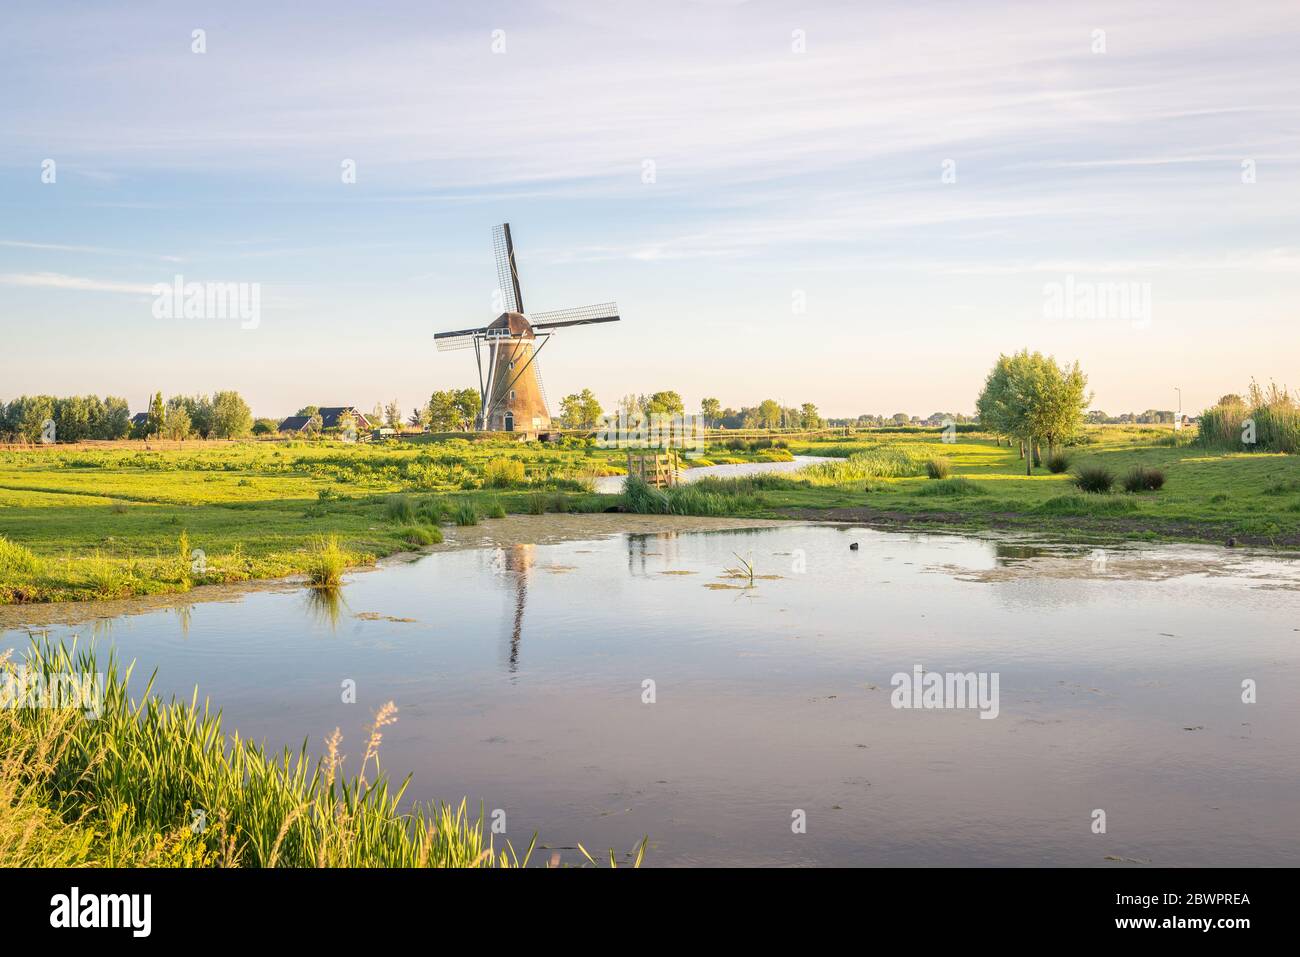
[(506, 350)]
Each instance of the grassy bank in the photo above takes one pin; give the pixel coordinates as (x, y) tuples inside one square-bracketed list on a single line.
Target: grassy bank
[(79, 523), (153, 783)]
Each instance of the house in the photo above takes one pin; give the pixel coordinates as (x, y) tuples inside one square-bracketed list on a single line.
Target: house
[(329, 419), (139, 419)]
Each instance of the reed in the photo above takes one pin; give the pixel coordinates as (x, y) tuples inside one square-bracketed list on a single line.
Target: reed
[(326, 563)]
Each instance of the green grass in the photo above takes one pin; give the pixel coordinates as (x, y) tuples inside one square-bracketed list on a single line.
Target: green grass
[(327, 562), (155, 783), (82, 523)]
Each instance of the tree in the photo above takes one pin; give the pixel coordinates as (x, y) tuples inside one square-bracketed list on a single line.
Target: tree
[(667, 403), (231, 416), (393, 416), (347, 426), (580, 410), (176, 423), (115, 419), (453, 409), (265, 427), (308, 411), (711, 409), (1231, 399), (1031, 398), (419, 417), (768, 414), (157, 415), (314, 425), (810, 416)]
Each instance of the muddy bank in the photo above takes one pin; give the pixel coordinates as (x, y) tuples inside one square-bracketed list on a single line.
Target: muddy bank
[(546, 529), (1077, 528)]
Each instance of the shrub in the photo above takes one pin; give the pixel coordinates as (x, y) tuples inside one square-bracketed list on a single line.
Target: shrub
[(1143, 479), (466, 514), (536, 503), (1094, 478), (496, 510), (503, 473), (938, 468), (1058, 462)]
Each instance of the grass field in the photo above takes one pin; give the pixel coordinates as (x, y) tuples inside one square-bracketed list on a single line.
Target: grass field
[(81, 522)]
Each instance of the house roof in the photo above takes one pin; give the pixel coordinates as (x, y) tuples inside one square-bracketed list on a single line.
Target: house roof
[(329, 418), (140, 418)]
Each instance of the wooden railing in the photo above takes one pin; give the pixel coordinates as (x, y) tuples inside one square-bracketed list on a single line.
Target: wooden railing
[(654, 468)]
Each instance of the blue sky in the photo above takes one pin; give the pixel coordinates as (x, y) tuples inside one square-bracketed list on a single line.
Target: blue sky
[(779, 176)]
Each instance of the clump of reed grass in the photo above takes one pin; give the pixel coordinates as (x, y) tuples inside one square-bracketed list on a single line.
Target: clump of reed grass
[(16, 559), (399, 509), (959, 486), (1058, 462), (1087, 505), (938, 468), (1095, 479), (888, 461), (536, 503), (1142, 478), (466, 514), (326, 563), (496, 510), (422, 535)]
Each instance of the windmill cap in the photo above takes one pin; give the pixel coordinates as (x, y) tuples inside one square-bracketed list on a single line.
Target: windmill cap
[(515, 322)]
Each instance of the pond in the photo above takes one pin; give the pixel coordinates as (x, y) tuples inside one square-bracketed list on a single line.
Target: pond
[(520, 672)]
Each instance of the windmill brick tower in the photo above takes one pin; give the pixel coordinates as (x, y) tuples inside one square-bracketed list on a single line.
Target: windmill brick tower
[(510, 385)]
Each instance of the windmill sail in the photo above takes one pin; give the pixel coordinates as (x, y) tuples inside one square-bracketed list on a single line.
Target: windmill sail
[(577, 316), (507, 271)]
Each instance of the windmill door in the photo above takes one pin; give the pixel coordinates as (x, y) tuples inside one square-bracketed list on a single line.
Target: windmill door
[(510, 421)]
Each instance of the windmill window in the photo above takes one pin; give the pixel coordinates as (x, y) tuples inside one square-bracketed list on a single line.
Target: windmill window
[(511, 365), (512, 395)]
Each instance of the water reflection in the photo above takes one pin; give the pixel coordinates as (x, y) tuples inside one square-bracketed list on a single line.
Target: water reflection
[(512, 565), (325, 606)]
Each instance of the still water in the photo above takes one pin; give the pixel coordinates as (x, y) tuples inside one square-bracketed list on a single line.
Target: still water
[(520, 673), (613, 484)]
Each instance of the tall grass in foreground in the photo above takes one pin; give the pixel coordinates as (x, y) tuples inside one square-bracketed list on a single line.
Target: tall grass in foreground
[(18, 559), (160, 784)]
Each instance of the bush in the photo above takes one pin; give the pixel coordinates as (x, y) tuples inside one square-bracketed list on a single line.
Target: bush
[(1058, 462), (1143, 479), (496, 510), (1094, 478), (537, 503), (466, 514), (938, 468), (503, 473)]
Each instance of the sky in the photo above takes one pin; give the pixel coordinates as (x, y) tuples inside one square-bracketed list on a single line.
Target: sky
[(855, 205)]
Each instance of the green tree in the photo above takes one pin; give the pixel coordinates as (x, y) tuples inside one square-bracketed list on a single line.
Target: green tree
[(393, 416), (231, 416), (314, 425), (157, 415), (580, 410), (467, 404), (711, 409), (176, 423), (768, 414), (265, 427), (114, 421), (443, 414), (668, 403), (810, 416)]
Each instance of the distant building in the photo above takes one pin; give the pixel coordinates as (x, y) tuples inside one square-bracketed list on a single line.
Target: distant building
[(329, 419)]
